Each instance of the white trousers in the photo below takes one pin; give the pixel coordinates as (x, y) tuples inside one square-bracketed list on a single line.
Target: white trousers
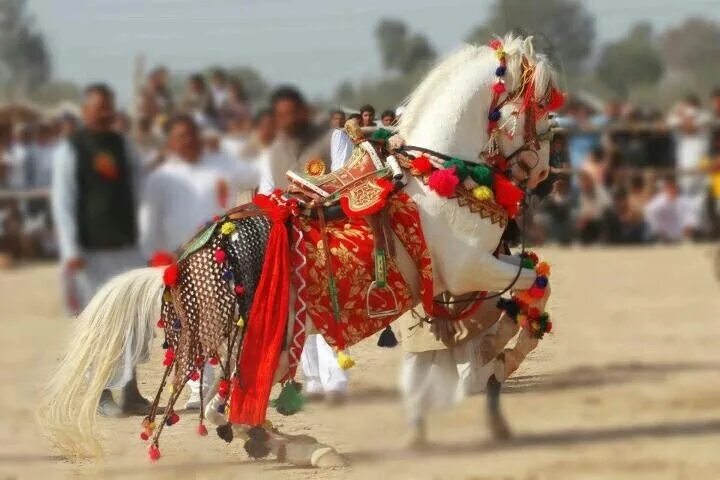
[(207, 383), (320, 367)]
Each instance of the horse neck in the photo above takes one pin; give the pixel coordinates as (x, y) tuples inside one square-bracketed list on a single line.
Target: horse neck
[(454, 121)]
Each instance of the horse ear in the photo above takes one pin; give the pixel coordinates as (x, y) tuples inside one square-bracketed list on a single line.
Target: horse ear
[(528, 47)]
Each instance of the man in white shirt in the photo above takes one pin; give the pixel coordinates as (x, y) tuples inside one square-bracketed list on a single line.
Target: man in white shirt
[(670, 216), (182, 194)]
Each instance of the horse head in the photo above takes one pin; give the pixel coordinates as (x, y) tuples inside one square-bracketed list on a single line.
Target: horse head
[(488, 104)]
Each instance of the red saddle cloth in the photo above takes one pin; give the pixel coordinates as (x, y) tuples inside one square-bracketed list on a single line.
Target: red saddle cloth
[(351, 247)]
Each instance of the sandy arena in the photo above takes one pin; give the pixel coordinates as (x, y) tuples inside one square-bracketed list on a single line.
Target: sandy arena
[(627, 387)]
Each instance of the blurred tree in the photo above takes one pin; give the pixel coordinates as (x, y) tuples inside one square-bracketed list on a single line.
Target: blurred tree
[(631, 61), (401, 52), (563, 29), (24, 57), (690, 46)]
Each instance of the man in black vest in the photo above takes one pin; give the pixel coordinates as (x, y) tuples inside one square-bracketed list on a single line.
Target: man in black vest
[(93, 199)]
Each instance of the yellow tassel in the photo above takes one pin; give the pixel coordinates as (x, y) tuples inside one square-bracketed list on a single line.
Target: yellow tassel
[(241, 322), (171, 388), (167, 296), (227, 228), (483, 193), (345, 361)]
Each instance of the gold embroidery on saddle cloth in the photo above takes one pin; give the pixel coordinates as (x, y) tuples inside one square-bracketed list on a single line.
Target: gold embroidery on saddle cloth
[(364, 196)]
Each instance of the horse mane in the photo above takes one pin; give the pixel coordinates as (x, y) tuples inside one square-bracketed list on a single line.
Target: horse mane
[(516, 48)]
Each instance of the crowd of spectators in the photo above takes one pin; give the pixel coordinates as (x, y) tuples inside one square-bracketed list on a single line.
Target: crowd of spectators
[(621, 175), (628, 176)]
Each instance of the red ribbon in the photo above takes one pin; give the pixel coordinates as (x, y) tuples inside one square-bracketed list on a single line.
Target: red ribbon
[(267, 320)]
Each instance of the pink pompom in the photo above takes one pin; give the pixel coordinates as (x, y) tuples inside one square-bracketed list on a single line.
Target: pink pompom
[(444, 181), (202, 430), (154, 453), (220, 255), (495, 44)]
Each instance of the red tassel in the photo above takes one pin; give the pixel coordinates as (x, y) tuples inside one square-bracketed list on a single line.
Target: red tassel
[(548, 327), (239, 290), (202, 430), (214, 360), (507, 195), (170, 276), (195, 376), (154, 453), (264, 334), (144, 436), (161, 259), (161, 323), (220, 255), (169, 357), (422, 164), (536, 292), (223, 388)]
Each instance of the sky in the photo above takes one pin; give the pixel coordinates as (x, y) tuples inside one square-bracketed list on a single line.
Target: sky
[(314, 44)]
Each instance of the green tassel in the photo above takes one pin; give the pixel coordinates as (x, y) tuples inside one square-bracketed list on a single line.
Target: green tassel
[(381, 135), (482, 174), (461, 168), (528, 263), (290, 401)]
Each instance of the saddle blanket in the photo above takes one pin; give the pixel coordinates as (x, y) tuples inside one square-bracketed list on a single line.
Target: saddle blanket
[(351, 246)]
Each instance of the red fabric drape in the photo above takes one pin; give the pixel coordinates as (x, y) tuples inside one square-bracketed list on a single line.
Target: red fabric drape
[(266, 322)]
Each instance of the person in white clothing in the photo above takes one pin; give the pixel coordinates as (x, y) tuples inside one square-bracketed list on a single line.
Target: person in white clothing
[(183, 193), (670, 216)]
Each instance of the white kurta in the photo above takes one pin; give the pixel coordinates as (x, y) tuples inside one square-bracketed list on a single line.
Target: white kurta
[(179, 197)]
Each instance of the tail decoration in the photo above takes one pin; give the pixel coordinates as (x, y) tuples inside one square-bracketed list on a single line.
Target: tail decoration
[(113, 330)]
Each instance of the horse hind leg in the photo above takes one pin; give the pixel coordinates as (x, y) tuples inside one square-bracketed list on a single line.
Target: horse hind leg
[(496, 420)]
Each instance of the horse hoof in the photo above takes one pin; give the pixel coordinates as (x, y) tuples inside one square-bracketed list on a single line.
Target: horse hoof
[(416, 441), (500, 429), (327, 457)]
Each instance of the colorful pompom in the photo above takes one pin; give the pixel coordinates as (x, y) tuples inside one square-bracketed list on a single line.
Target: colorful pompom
[(495, 115), (202, 430), (495, 44), (214, 360), (541, 281), (483, 193), (444, 182), (499, 88), (239, 290), (227, 228), (228, 275), (543, 269), (500, 71), (224, 388), (154, 452), (461, 169), (345, 361), (507, 195), (220, 255), (240, 322), (161, 323), (195, 376), (482, 175), (170, 275), (177, 325), (536, 292), (422, 165), (161, 259), (144, 436), (169, 357)]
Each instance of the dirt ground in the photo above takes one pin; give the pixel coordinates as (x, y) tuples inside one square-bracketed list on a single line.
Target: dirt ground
[(627, 387)]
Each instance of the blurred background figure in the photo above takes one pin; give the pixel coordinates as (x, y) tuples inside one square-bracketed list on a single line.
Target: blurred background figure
[(94, 185), (388, 118), (670, 216), (155, 99), (337, 119), (198, 101), (367, 115)]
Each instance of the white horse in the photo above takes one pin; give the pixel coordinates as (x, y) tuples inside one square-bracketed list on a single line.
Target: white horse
[(447, 113)]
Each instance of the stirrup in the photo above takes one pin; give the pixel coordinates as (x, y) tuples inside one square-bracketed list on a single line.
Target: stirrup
[(380, 313)]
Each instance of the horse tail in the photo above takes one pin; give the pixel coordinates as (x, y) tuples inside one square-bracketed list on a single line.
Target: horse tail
[(113, 331)]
